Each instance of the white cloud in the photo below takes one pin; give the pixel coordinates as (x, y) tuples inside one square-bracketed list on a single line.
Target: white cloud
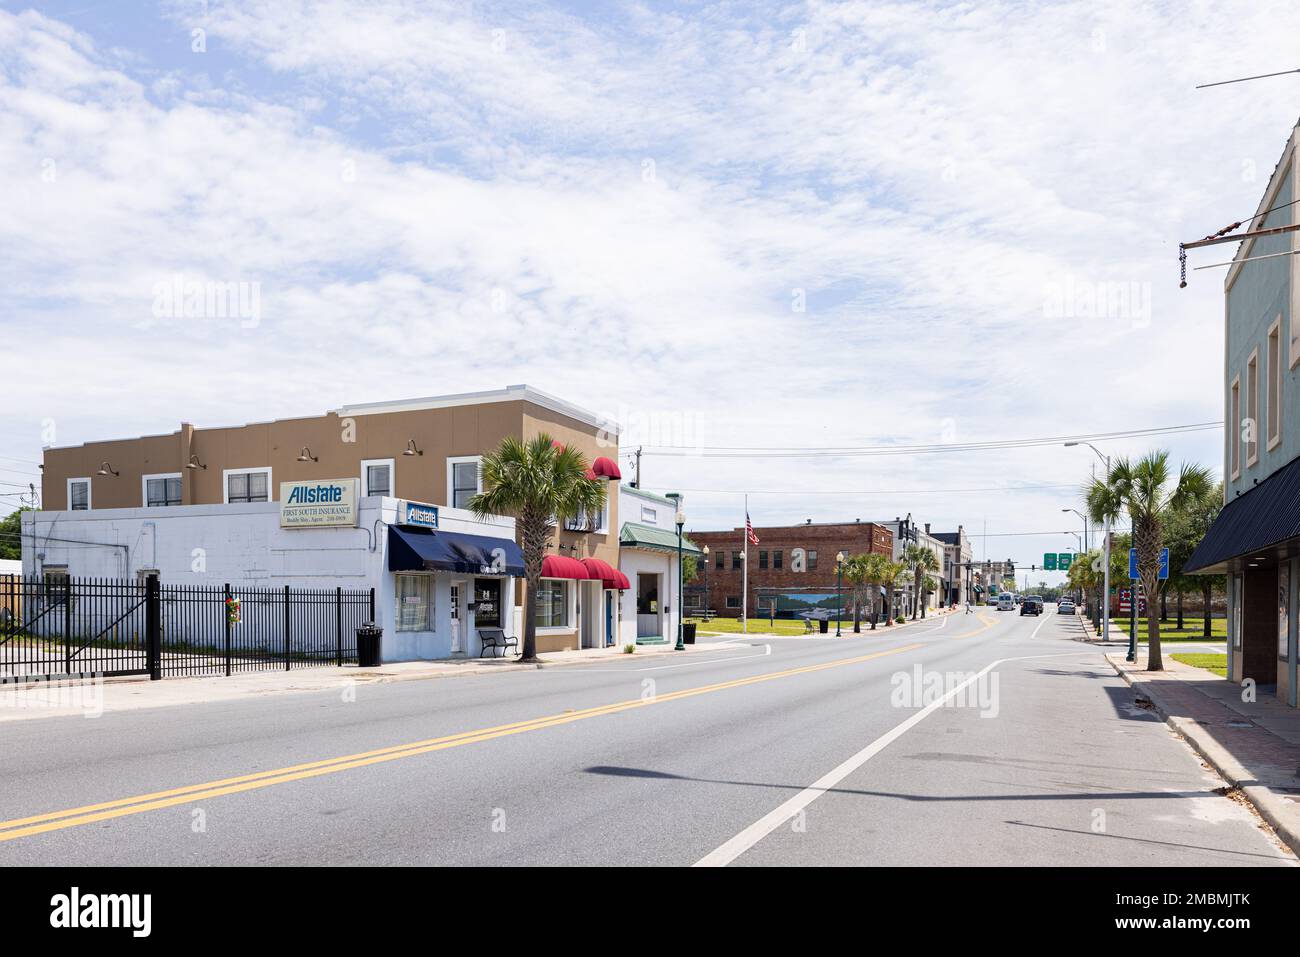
[(432, 205)]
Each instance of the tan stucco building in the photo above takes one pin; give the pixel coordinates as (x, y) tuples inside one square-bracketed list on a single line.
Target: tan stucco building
[(419, 450)]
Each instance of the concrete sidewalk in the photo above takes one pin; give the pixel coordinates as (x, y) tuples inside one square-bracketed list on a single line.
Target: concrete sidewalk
[(1255, 746), (93, 698)]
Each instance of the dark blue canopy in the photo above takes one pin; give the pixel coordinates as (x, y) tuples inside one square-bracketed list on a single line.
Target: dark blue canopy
[(413, 548)]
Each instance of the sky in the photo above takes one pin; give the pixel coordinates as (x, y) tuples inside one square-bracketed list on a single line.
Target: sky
[(721, 225)]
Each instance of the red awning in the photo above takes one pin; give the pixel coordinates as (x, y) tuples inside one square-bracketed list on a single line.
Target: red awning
[(607, 573), (606, 468), (591, 475), (562, 566)]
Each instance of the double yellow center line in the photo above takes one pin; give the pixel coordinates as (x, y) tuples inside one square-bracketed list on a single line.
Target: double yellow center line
[(92, 813)]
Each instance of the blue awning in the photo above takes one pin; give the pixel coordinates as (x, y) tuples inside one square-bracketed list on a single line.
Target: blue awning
[(412, 548)]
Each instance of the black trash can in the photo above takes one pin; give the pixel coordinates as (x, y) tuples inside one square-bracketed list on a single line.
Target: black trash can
[(688, 633), (368, 636), (824, 625)]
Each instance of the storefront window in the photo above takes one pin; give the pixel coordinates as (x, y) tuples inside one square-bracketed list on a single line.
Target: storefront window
[(415, 602), (487, 602), (1283, 608), (552, 603)]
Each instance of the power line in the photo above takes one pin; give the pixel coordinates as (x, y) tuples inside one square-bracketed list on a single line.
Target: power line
[(1243, 79), (724, 451), (889, 491)]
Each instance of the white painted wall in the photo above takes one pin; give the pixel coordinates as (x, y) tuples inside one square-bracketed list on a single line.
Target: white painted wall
[(244, 545), (631, 502)]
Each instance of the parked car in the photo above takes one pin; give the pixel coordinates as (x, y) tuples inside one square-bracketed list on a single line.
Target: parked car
[(1065, 606), (1032, 605)]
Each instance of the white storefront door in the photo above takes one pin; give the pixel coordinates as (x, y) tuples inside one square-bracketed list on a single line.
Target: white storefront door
[(457, 618)]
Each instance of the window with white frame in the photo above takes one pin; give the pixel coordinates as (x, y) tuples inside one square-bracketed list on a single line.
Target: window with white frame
[(1274, 360), (414, 602), (1234, 428), (162, 490), (582, 522), (733, 601), (552, 603), (79, 495), (463, 480), (377, 477), (248, 485), (1252, 409), (649, 515)]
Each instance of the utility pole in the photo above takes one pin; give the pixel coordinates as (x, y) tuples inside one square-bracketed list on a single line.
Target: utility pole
[(637, 483)]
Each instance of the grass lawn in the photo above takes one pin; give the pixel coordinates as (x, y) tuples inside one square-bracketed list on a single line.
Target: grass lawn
[(1193, 629), (1216, 663), (783, 626)]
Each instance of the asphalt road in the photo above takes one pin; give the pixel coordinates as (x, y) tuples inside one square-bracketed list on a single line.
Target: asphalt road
[(1027, 750)]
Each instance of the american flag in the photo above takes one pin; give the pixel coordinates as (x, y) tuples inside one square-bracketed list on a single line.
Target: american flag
[(749, 531)]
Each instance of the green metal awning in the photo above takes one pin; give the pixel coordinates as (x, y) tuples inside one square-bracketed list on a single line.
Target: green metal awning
[(636, 535)]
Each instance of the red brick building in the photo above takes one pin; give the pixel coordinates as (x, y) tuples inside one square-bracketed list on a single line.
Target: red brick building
[(792, 566)]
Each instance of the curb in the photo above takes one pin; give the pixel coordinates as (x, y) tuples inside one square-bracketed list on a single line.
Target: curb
[(1277, 811)]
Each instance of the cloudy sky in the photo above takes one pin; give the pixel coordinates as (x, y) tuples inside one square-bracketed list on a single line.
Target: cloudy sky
[(724, 224)]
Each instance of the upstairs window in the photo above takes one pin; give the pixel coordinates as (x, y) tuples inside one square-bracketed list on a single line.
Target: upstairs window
[(248, 486), (1274, 399), (462, 481), (377, 477), (79, 495), (1234, 428), (1252, 409), (162, 490)]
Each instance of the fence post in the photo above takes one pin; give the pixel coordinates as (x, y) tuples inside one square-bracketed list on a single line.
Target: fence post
[(338, 625), (286, 627), (225, 613), (153, 626), (67, 626), (372, 606)]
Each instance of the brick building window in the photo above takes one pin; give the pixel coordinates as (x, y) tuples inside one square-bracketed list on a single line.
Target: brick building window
[(812, 559), (762, 559), (776, 559), (719, 561), (735, 561), (733, 601)]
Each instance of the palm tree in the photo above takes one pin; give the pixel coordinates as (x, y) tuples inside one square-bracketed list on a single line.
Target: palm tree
[(540, 483), (1147, 491), (892, 573), (855, 573), (921, 561)]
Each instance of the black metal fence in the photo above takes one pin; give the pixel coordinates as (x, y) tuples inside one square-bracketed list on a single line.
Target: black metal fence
[(55, 626)]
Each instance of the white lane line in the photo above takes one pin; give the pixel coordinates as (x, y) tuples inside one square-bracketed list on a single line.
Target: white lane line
[(746, 839)]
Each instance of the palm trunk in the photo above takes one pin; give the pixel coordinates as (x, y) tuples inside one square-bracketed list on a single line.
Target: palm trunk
[(1178, 602), (1207, 591), (857, 613), (529, 651)]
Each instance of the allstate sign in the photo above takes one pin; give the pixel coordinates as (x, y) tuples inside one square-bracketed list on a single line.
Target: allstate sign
[(324, 503)]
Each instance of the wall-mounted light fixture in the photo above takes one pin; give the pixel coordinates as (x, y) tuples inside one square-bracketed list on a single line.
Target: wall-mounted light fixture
[(106, 469), (194, 463), (306, 456), (411, 449)]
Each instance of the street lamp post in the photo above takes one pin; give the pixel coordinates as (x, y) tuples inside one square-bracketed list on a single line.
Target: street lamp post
[(1105, 587), (839, 591), (706, 580), (681, 582)]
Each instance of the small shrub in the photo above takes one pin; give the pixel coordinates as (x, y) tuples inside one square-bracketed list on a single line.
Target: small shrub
[(629, 648)]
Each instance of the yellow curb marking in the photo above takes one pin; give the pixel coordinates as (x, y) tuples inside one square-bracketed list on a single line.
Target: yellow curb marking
[(91, 813)]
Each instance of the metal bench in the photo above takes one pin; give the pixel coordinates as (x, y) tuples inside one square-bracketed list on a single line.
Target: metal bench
[(496, 638)]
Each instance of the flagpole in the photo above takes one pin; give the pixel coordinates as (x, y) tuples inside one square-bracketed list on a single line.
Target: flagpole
[(744, 573)]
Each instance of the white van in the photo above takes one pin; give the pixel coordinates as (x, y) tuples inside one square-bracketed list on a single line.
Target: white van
[(1006, 601)]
